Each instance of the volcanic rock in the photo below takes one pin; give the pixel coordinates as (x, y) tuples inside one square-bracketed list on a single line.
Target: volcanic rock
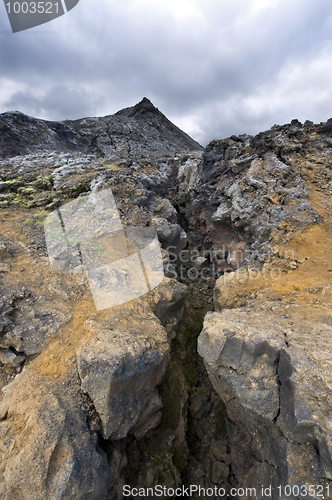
[(94, 399)]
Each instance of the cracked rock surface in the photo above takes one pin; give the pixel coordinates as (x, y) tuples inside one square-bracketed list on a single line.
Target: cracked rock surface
[(120, 367), (270, 372), (267, 350), (92, 400)]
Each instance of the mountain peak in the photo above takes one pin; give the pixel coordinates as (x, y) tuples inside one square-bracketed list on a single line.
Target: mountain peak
[(141, 108), (146, 104), (135, 133)]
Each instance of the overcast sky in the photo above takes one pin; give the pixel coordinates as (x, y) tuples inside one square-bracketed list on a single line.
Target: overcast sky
[(213, 67)]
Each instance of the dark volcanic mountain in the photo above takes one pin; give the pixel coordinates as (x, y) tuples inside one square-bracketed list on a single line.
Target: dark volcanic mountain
[(133, 134)]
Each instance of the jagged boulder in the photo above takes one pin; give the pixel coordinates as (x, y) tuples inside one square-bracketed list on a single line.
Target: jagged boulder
[(125, 358), (167, 302), (121, 365), (273, 375), (47, 449)]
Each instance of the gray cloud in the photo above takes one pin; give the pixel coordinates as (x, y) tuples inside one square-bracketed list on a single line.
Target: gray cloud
[(215, 68)]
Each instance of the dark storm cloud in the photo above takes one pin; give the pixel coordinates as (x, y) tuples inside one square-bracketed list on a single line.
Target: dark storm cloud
[(215, 67)]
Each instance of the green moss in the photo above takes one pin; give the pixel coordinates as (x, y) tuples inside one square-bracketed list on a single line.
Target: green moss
[(112, 166), (49, 198), (74, 190), (41, 215), (109, 454), (164, 469), (38, 217), (44, 183), (27, 192), (19, 201), (158, 459), (7, 197), (30, 204), (12, 185), (185, 348)]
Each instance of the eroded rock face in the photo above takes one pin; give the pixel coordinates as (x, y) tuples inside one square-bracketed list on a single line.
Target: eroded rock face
[(121, 366), (167, 302), (250, 192), (125, 359), (35, 323), (275, 375), (47, 449), (264, 193), (248, 360), (264, 201), (84, 374), (49, 430)]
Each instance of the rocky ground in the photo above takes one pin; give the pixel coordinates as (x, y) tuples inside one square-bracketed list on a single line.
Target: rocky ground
[(94, 400)]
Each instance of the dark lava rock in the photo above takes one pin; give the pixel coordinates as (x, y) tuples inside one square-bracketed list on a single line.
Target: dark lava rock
[(138, 132)]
